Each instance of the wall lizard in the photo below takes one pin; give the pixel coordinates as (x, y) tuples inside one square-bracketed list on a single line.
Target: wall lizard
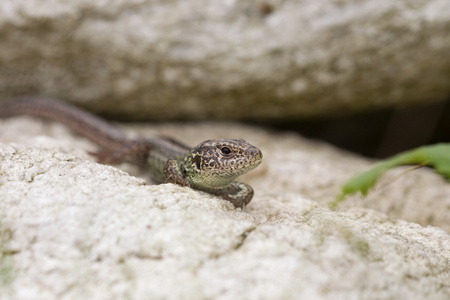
[(212, 166)]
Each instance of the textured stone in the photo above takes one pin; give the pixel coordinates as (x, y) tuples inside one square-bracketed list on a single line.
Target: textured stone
[(73, 229), (156, 59)]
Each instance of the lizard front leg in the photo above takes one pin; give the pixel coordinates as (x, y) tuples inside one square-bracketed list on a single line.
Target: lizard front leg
[(237, 193), (174, 173)]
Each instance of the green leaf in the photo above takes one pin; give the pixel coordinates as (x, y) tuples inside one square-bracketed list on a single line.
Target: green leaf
[(436, 156)]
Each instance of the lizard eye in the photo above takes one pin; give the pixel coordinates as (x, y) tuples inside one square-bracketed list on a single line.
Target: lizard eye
[(225, 150)]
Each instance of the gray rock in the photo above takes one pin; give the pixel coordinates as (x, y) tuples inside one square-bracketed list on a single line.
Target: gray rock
[(226, 59), (72, 229)]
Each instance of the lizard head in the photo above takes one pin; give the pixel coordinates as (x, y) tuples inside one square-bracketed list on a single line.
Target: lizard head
[(217, 163)]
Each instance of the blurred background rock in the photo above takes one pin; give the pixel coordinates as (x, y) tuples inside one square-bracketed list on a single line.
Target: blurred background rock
[(369, 76)]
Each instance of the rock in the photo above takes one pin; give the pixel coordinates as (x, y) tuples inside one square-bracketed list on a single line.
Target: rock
[(253, 60), (72, 229)]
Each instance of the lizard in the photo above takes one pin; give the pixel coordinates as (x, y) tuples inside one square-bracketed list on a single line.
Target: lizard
[(212, 166)]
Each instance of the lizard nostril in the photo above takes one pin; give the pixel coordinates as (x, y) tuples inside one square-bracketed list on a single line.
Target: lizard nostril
[(255, 152)]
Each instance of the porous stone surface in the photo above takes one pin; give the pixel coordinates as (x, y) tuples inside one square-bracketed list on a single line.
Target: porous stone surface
[(239, 59), (72, 229)]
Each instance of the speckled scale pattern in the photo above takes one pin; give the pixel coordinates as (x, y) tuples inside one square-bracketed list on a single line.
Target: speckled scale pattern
[(214, 165), (209, 160)]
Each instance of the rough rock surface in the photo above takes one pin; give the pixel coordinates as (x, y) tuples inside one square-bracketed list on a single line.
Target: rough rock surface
[(74, 229), (158, 59)]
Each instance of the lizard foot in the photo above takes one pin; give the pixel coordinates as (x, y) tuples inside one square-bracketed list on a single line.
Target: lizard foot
[(173, 173), (240, 194)]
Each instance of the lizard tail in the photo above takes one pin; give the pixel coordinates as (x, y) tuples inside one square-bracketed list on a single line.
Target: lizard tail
[(84, 123)]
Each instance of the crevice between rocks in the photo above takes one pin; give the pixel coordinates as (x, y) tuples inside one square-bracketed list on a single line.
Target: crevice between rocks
[(242, 238)]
